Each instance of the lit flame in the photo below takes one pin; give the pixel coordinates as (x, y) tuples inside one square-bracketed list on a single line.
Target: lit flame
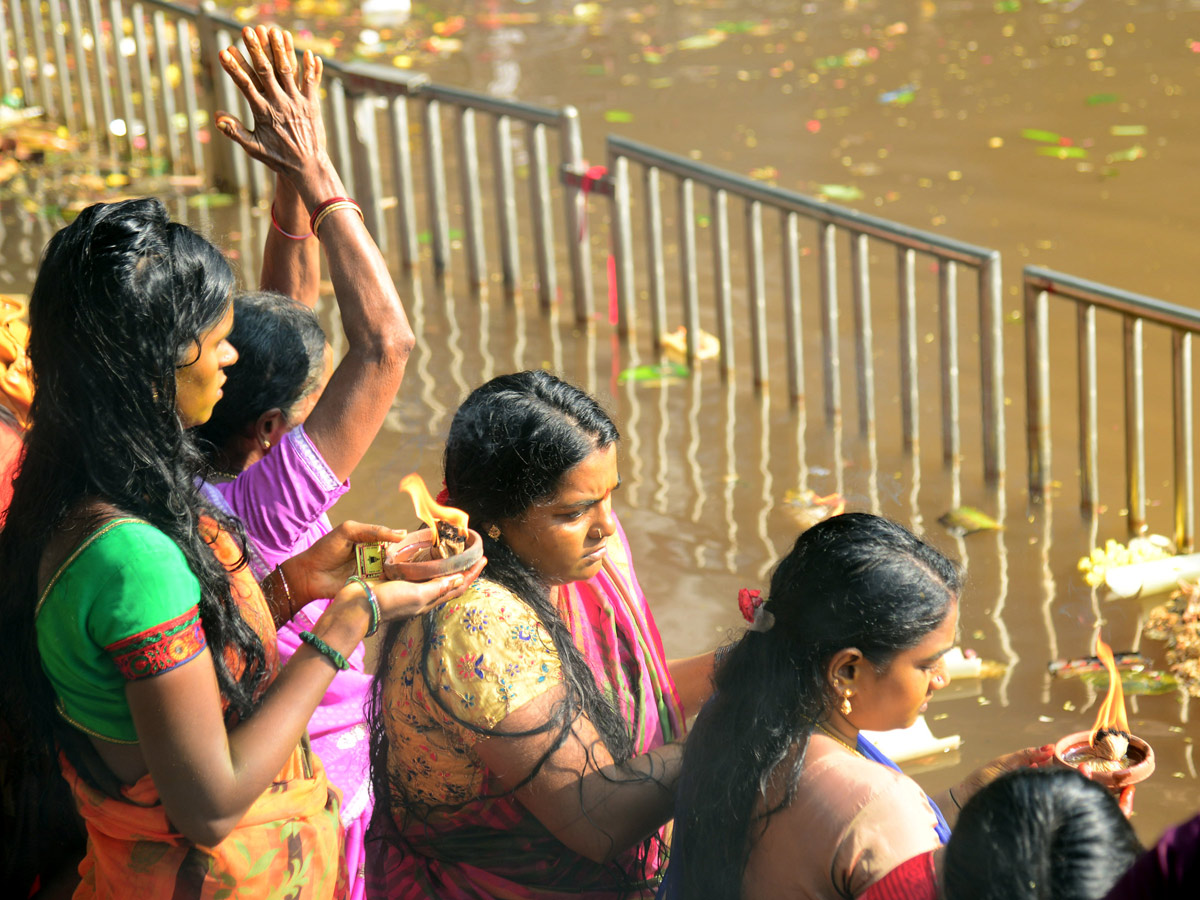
[(1112, 710), (835, 501), (430, 511)]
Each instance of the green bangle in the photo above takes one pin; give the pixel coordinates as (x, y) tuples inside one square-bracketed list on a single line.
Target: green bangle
[(324, 649), (376, 615)]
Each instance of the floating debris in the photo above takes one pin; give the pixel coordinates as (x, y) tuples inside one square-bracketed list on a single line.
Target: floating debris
[(654, 373), (967, 520)]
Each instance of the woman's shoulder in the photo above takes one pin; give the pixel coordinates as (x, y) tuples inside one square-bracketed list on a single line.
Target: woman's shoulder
[(483, 606)]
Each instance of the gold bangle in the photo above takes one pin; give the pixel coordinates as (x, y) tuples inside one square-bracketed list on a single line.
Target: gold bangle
[(334, 207)]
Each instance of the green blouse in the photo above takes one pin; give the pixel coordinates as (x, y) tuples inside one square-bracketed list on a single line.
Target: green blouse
[(122, 607)]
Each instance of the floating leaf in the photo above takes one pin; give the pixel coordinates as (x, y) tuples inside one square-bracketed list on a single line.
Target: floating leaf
[(1146, 683), (1098, 99), (618, 116), (901, 96), (1063, 152), (1037, 134), (1137, 151), (702, 41), (968, 519), (843, 192), (1127, 130), (210, 201), (654, 374), (1007, 6)]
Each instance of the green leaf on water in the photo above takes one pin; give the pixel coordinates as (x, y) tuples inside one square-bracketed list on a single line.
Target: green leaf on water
[(843, 192), (1144, 683), (1063, 152), (654, 373), (968, 519), (210, 201), (1007, 6), (1098, 99), (1127, 130), (1037, 134), (618, 116)]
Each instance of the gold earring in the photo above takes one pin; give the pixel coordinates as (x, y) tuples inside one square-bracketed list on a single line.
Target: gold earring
[(846, 707), (494, 532), (266, 446)]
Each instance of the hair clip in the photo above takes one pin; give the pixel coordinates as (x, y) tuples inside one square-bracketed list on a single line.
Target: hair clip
[(751, 604)]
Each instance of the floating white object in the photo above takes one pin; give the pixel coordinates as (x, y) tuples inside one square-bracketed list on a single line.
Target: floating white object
[(959, 666), (1153, 577), (382, 13), (914, 742)]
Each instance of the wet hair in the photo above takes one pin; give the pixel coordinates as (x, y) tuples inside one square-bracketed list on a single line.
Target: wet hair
[(1039, 834), (281, 356), (854, 580), (122, 299), (510, 444)]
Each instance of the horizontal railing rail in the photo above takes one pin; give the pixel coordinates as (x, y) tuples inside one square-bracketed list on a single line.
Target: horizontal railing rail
[(949, 254), (1134, 311)]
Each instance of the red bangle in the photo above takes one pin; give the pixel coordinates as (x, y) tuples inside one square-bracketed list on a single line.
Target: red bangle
[(320, 206), (294, 237)]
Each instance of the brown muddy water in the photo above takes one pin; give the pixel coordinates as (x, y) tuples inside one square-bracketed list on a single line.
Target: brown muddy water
[(914, 111)]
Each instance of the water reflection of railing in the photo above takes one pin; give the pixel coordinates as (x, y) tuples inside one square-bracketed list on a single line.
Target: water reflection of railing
[(1134, 311)]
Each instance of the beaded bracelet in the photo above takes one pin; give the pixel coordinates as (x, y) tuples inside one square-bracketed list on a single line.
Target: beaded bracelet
[(287, 234), (324, 649), (376, 615), (277, 572), (333, 204)]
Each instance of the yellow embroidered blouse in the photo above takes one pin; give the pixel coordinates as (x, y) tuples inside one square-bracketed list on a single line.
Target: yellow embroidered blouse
[(489, 655)]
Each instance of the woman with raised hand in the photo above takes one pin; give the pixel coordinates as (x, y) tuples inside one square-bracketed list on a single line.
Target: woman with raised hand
[(290, 429), (524, 738), (138, 642), (781, 796)]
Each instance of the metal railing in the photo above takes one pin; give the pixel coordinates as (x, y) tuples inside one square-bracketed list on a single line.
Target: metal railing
[(1134, 311), (829, 219)]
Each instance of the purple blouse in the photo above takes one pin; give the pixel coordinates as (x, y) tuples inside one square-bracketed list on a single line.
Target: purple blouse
[(1171, 868)]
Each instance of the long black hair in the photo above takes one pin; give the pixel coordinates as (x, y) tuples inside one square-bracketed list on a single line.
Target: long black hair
[(854, 580), (1039, 834), (281, 354), (122, 298), (510, 444)]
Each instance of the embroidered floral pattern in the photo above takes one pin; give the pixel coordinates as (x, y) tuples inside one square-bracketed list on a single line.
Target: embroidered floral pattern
[(161, 648), (487, 656)]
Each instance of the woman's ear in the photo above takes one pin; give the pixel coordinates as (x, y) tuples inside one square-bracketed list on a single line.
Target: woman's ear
[(269, 428), (843, 669)]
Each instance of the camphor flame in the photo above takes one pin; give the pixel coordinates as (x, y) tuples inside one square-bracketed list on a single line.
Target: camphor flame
[(430, 511), (1112, 711)]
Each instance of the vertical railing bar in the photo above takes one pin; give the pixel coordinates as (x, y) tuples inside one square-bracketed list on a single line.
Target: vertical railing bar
[(722, 277), (1185, 442), (81, 67), (364, 146), (149, 107), (860, 263), (162, 56), (506, 205), (226, 96), (655, 270), (468, 171), (1037, 390), (1135, 425), (107, 112), (6, 82), (790, 228), (336, 91), (575, 199), (687, 267), (60, 65), (402, 173), (910, 403), (543, 223), (827, 252), (191, 107), (1089, 435), (991, 361), (951, 395), (21, 51), (124, 80), (45, 85), (439, 227), (756, 285), (618, 167)]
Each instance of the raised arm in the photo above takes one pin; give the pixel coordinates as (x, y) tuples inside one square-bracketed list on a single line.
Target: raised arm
[(288, 137), (291, 261)]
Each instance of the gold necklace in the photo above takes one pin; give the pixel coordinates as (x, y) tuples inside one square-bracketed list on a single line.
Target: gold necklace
[(831, 734)]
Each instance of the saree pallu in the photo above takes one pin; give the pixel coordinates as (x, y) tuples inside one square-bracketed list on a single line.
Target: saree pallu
[(495, 849), (287, 845)]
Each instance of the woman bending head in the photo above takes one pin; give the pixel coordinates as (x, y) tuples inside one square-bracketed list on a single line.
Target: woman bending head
[(862, 611), (1039, 834)]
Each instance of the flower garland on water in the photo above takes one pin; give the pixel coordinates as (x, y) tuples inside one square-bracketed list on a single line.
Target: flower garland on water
[(1096, 564), (1178, 623)]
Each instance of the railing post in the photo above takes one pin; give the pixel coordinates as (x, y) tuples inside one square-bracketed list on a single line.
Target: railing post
[(656, 274), (1135, 424), (578, 239), (402, 173), (722, 282), (618, 168), (1037, 391), (687, 269), (435, 187), (860, 273), (948, 325), (910, 407), (756, 288), (991, 352), (218, 94), (1089, 438), (1185, 441), (827, 251), (792, 323)]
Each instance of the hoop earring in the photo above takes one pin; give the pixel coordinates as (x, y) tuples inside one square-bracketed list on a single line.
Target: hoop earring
[(846, 707)]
